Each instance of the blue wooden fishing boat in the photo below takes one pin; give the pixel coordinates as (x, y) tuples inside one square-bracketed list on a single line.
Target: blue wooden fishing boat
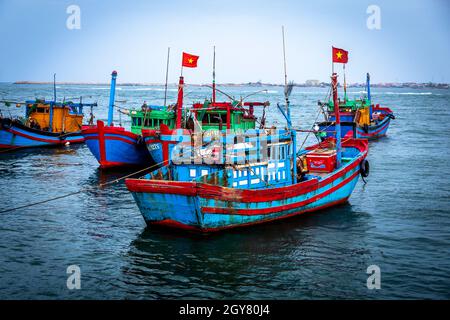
[(259, 178), (46, 123), (114, 146), (359, 118)]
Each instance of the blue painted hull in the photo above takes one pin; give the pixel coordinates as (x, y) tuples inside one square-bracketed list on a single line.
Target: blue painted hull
[(115, 147), (352, 130), (207, 207), (14, 135)]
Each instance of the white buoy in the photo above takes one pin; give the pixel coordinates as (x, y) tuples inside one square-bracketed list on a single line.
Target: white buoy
[(67, 143)]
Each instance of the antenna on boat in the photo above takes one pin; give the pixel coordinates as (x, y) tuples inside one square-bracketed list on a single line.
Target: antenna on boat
[(214, 77), (368, 96), (52, 104), (167, 75), (338, 119), (54, 87), (287, 86), (287, 92)]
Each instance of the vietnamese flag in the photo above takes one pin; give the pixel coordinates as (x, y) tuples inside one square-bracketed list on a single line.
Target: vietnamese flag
[(340, 55), (189, 60)]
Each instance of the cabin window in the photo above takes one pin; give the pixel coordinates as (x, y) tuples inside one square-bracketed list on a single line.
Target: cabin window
[(283, 156), (216, 118), (40, 110), (273, 153)]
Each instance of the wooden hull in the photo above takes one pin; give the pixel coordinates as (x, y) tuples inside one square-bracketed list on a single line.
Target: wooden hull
[(14, 135), (160, 143), (115, 147), (205, 207)]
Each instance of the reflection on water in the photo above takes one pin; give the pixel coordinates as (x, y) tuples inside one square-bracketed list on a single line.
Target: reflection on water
[(239, 263)]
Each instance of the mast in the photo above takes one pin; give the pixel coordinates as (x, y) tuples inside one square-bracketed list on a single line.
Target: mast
[(338, 119), (368, 96), (286, 96), (54, 87), (111, 97), (52, 104), (287, 92), (214, 77), (167, 76)]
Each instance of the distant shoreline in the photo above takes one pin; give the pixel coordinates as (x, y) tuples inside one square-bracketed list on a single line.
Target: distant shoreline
[(413, 85)]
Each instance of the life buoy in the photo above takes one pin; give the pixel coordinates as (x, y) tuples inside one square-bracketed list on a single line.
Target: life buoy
[(364, 168)]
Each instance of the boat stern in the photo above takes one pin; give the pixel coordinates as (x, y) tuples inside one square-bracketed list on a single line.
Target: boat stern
[(168, 204)]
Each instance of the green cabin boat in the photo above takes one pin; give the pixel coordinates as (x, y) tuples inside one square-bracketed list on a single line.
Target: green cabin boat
[(150, 117), (234, 115)]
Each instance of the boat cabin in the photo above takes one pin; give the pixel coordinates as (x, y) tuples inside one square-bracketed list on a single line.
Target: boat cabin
[(54, 117), (226, 115), (151, 117), (255, 159)]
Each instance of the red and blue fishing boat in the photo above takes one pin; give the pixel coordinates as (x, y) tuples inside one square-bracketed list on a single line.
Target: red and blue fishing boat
[(261, 178), (114, 146), (45, 124), (209, 117), (359, 118)]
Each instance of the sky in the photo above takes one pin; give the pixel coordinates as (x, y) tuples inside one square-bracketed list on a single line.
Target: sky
[(411, 45)]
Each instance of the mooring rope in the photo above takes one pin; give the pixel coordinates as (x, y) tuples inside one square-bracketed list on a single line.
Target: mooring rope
[(81, 190)]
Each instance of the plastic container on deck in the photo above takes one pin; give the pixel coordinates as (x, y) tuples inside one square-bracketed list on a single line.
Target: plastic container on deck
[(321, 160)]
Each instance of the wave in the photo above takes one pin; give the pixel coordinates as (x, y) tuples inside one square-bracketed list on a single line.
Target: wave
[(406, 93), (149, 89)]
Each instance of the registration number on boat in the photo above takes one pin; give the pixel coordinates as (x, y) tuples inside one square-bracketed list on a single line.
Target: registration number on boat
[(154, 146)]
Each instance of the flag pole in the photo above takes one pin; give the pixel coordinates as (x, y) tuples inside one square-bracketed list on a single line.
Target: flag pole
[(332, 60), (180, 97), (338, 120), (181, 65), (167, 76), (214, 77)]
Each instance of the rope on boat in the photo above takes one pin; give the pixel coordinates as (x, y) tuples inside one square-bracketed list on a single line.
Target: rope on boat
[(81, 190)]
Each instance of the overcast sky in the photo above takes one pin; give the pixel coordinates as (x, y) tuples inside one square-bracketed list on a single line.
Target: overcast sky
[(132, 37)]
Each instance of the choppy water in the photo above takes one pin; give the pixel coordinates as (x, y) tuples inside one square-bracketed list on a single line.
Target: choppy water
[(399, 221)]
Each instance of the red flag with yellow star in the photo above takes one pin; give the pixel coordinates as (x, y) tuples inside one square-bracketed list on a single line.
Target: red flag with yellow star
[(340, 55), (189, 60)]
